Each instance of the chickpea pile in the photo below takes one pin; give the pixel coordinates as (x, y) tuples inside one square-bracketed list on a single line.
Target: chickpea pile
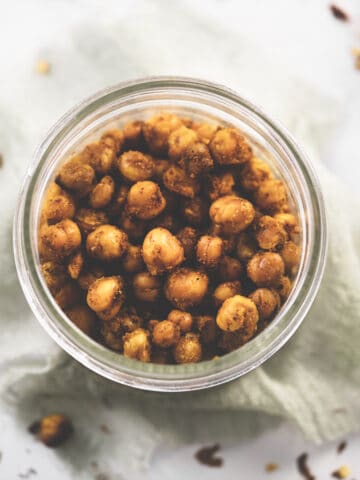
[(168, 241)]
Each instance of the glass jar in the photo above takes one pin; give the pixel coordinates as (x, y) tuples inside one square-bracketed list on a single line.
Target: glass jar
[(200, 100)]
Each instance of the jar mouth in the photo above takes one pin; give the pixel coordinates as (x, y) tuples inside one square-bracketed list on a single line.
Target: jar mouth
[(204, 374)]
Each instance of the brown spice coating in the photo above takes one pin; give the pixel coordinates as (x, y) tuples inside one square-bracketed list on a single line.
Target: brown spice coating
[(137, 345), (226, 290), (76, 176), (188, 349), (52, 430), (233, 214), (101, 155), (116, 205), (220, 184), (106, 296), (114, 138), (186, 288), (196, 159), (75, 264), (146, 287), (88, 219), (132, 260), (58, 205), (113, 330), (102, 193), (107, 243), (179, 140), (289, 223), (229, 269), (290, 253), (283, 287), (176, 180), (157, 130), (55, 275), (229, 147), (187, 236), (265, 269), (246, 247), (88, 275), (135, 166), (145, 200), (166, 334), (133, 134), (84, 318), (271, 195), (209, 250), (267, 302), (253, 174), (183, 319), (205, 131), (195, 211), (237, 313), (269, 233), (62, 238), (162, 251)]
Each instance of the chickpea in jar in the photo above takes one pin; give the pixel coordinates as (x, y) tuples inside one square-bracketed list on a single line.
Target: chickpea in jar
[(161, 251), (146, 287), (84, 318), (157, 130), (183, 319), (58, 205), (145, 200), (132, 261), (137, 345), (186, 288), (166, 334), (102, 193), (187, 236), (133, 134), (135, 166), (179, 140), (176, 180), (107, 243), (265, 269), (62, 238), (106, 296), (209, 250), (196, 160), (267, 302), (188, 349), (237, 313), (226, 290), (77, 177), (229, 269), (269, 233), (233, 214), (271, 195), (253, 174), (195, 211), (89, 219), (229, 147)]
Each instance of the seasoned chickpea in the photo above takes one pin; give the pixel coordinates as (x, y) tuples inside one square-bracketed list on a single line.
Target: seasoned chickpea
[(147, 288), (58, 205), (186, 288), (271, 195), (196, 211), (135, 166), (233, 214), (290, 253), (52, 430), (176, 180), (284, 287), (118, 202), (84, 318), (188, 349), (162, 251), (132, 260), (145, 200), (114, 138), (220, 184), (183, 319), (137, 345), (157, 130), (166, 334), (106, 296), (75, 264), (54, 274), (205, 132), (134, 228), (229, 147), (107, 243), (289, 222), (88, 220), (267, 302), (226, 290), (269, 233), (187, 236), (253, 174), (88, 275), (207, 328), (229, 269), (179, 140), (62, 238), (209, 250), (102, 193), (76, 176), (265, 269), (237, 313), (245, 247), (133, 134), (196, 159), (101, 155), (68, 295)]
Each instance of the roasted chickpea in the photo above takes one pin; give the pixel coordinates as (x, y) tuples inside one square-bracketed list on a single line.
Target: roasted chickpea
[(253, 174), (58, 205), (229, 147), (68, 295), (205, 132), (157, 130), (289, 222), (176, 180), (62, 238), (88, 275), (290, 253), (166, 334), (209, 250), (183, 319), (132, 260), (220, 185), (76, 176), (265, 269), (207, 328), (107, 243), (88, 220), (271, 195), (269, 233), (52, 430), (134, 228), (233, 214), (75, 265), (145, 200), (196, 159), (284, 287), (151, 324), (186, 288), (229, 269), (137, 345), (133, 135), (135, 166), (196, 211), (162, 251), (267, 302), (187, 236), (245, 247), (102, 193), (226, 290), (118, 202), (114, 138), (84, 318), (179, 140), (54, 274), (188, 349), (237, 313), (147, 288), (106, 296), (101, 155)]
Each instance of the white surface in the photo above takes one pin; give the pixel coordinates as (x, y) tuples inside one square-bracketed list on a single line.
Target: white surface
[(301, 34)]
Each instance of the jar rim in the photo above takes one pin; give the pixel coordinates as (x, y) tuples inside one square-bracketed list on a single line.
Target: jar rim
[(155, 377)]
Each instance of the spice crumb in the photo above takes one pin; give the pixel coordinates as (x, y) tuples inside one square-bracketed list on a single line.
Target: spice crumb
[(341, 447), (342, 472), (271, 467), (303, 468), (206, 456), (43, 67), (339, 13)]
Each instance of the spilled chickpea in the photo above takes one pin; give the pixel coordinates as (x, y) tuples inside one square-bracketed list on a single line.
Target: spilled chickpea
[(169, 240)]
